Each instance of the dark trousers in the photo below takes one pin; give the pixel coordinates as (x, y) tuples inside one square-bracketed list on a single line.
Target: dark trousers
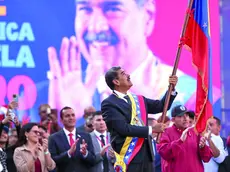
[(146, 165)]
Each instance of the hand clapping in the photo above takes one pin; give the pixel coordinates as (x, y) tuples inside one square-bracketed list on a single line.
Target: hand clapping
[(83, 147)]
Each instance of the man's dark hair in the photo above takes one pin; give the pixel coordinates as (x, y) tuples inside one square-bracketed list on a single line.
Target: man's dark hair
[(64, 108), (191, 114), (110, 75), (42, 127), (218, 121), (97, 113)]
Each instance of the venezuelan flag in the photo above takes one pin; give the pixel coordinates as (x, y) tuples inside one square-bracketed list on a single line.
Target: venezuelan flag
[(198, 39)]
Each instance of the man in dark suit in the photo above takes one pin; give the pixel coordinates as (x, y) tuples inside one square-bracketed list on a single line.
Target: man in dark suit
[(71, 150), (101, 142), (124, 123)]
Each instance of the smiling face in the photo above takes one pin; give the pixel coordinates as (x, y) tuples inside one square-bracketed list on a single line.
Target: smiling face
[(214, 126), (112, 30), (68, 118), (33, 134)]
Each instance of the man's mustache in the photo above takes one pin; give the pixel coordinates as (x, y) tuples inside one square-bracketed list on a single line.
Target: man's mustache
[(104, 36)]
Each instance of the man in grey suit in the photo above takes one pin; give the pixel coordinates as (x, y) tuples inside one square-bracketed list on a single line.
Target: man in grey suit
[(101, 141)]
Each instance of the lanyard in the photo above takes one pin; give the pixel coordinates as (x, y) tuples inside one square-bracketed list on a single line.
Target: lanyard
[(106, 140)]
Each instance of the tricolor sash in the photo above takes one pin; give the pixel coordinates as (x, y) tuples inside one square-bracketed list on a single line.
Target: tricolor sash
[(132, 145)]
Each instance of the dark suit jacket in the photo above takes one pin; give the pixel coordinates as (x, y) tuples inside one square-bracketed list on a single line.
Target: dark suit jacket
[(58, 147), (225, 145), (81, 128), (99, 159), (117, 115)]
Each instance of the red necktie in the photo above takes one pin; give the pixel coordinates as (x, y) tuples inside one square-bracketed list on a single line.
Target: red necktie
[(71, 140)]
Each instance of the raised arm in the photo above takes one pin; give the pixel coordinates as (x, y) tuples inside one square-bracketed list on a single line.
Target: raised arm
[(156, 106)]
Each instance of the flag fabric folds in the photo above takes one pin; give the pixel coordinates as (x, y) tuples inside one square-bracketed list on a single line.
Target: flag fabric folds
[(198, 39)]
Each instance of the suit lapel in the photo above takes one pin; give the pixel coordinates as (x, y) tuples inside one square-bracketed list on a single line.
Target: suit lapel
[(108, 135), (64, 140), (124, 106), (95, 142), (124, 103)]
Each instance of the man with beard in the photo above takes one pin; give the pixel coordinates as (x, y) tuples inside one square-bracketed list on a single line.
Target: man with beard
[(126, 116), (180, 147), (109, 33)]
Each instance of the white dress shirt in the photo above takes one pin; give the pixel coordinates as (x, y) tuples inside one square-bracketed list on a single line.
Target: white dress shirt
[(67, 134), (213, 164), (121, 95), (99, 138), (74, 138)]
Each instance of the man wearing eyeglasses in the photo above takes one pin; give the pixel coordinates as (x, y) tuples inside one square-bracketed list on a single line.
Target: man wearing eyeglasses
[(48, 118), (88, 117)]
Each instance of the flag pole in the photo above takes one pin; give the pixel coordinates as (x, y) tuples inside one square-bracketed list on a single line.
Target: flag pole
[(176, 63)]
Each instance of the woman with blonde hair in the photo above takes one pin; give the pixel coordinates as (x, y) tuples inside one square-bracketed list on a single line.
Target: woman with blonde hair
[(30, 155)]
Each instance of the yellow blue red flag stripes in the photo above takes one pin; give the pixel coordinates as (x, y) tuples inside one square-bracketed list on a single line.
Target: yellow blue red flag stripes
[(132, 145)]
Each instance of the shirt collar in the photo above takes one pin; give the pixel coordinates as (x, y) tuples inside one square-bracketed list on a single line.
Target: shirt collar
[(25, 148), (119, 94), (67, 132), (179, 130), (99, 134)]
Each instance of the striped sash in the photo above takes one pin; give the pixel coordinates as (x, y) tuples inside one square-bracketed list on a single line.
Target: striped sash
[(132, 145)]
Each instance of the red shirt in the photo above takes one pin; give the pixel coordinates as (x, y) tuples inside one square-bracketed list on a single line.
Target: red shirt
[(228, 141), (182, 156), (38, 166)]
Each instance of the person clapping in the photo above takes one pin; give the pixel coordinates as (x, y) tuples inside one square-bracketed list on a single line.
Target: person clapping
[(30, 155)]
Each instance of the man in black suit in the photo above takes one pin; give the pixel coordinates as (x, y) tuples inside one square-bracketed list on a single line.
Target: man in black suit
[(130, 135), (71, 150)]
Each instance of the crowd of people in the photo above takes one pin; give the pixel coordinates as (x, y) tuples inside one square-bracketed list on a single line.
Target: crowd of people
[(120, 137)]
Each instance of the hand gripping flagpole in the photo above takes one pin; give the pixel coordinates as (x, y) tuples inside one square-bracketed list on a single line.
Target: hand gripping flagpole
[(176, 62)]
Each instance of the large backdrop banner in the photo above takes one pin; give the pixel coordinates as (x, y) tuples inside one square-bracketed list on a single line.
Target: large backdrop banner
[(58, 51)]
